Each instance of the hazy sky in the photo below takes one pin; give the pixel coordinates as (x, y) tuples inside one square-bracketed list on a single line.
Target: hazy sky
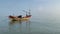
[(42, 7)]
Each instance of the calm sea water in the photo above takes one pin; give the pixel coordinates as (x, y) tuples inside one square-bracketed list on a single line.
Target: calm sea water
[(36, 25)]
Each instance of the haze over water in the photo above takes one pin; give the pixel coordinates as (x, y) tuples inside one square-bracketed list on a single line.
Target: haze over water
[(45, 16)]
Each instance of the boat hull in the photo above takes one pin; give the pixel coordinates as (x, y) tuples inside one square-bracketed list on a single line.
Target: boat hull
[(19, 19), (15, 18)]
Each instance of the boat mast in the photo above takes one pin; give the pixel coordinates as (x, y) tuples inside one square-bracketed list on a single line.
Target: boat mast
[(25, 12), (29, 12)]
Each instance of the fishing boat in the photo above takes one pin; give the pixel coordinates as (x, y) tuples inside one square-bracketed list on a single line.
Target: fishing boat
[(19, 18), (15, 18)]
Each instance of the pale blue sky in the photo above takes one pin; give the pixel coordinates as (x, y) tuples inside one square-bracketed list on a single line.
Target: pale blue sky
[(41, 7)]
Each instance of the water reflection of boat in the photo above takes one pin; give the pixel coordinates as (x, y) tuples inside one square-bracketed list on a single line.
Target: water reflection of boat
[(14, 26), (13, 22)]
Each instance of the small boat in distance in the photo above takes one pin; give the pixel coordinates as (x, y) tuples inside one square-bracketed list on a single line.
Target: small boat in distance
[(20, 18)]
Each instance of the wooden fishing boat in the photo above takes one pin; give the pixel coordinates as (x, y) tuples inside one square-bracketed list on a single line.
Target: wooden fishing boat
[(20, 18), (15, 18)]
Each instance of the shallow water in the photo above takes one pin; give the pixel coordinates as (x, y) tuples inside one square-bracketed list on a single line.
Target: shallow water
[(33, 26)]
